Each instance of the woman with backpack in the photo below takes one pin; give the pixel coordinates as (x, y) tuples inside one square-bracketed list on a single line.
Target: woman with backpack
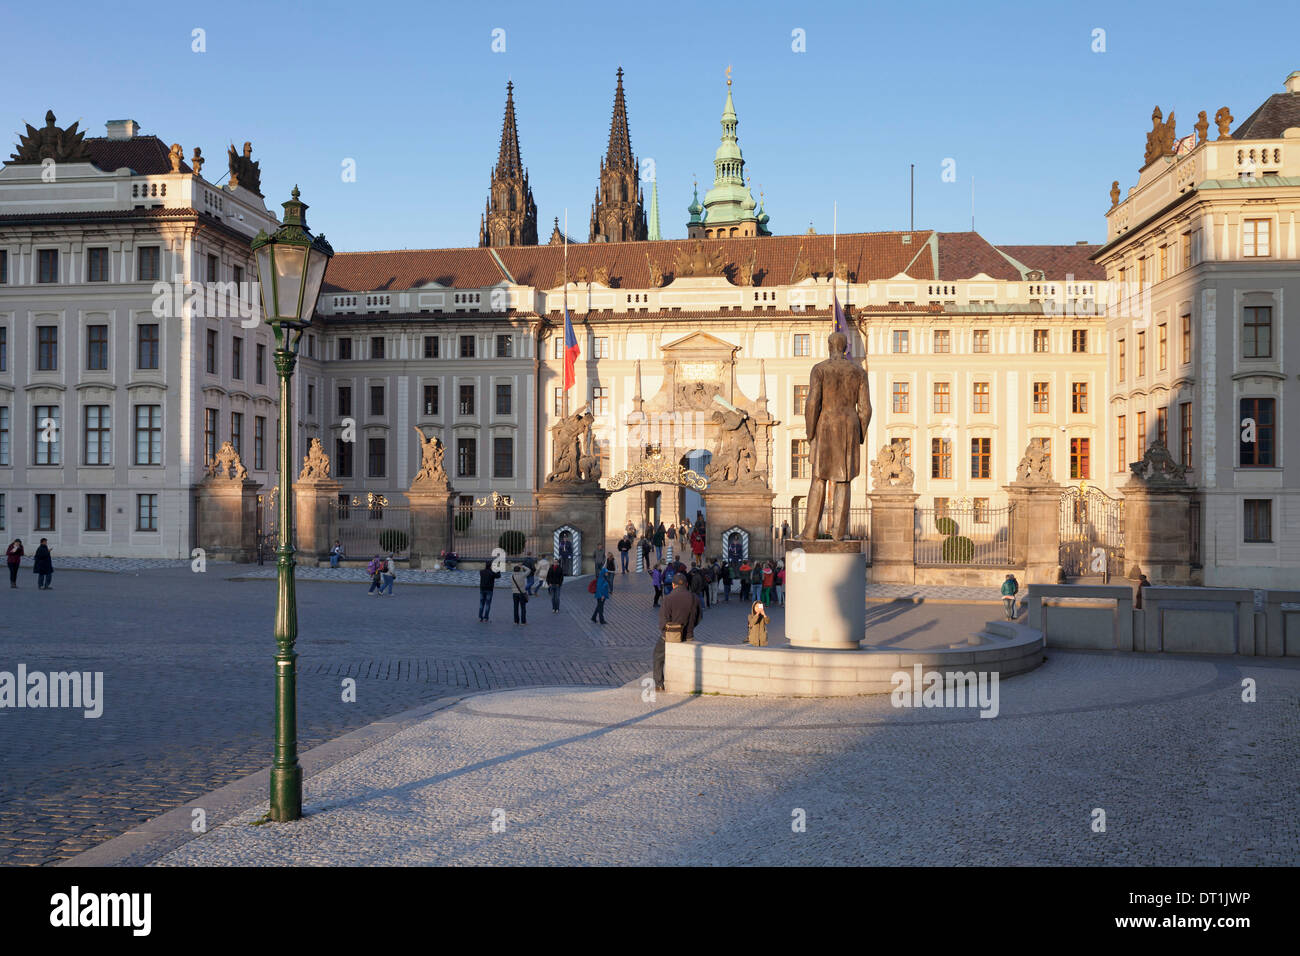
[(14, 557), (519, 592), (657, 580), (388, 573), (554, 580)]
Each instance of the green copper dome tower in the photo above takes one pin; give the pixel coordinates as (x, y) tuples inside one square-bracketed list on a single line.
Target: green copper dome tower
[(729, 207)]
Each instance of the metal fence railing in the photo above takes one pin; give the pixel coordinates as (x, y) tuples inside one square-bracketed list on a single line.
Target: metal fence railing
[(788, 523), (967, 537)]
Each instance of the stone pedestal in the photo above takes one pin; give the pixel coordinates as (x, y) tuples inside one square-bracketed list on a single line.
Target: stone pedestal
[(1156, 524), (579, 506), (1035, 529), (315, 504), (750, 510), (431, 510), (825, 594), (893, 535), (228, 519)]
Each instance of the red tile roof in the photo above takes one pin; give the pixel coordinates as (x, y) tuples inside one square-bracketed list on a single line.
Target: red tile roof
[(145, 155), (966, 254), (410, 268), (1057, 262)]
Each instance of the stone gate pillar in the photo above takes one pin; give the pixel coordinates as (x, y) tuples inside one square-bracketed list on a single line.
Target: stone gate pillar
[(578, 505), (1157, 517), (893, 537), (227, 500), (729, 506), (431, 511)]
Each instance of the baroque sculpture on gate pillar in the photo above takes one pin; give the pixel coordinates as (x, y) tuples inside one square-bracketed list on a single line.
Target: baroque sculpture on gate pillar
[(736, 461), (1157, 469), (888, 471), (837, 414), (432, 476), (1035, 467), (315, 464), (226, 464), (574, 459)]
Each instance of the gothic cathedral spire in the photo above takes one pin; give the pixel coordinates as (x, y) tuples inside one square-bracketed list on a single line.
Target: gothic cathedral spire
[(510, 217), (618, 214)]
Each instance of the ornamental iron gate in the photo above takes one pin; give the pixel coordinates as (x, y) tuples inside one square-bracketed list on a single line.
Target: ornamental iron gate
[(1092, 533)]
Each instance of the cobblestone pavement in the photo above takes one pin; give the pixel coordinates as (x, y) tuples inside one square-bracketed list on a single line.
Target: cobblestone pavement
[(188, 680), (1184, 770)]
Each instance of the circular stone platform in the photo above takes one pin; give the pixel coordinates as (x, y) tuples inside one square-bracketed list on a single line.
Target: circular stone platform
[(696, 667)]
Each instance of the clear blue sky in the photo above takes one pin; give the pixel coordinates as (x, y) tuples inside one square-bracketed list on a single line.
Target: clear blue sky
[(414, 94)]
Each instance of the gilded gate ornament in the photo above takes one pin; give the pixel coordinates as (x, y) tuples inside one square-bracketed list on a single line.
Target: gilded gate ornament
[(655, 470)]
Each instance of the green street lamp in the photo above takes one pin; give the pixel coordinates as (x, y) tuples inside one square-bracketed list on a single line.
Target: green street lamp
[(290, 270)]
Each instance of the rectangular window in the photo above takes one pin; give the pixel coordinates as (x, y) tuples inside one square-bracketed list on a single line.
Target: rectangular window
[(2, 512), (940, 507), (466, 457), (47, 432), (467, 346), (799, 458), (146, 346), (1042, 340), (259, 443), (1187, 340), (376, 346), (981, 511), (311, 399), (237, 432), (1258, 521), (1187, 250), (800, 399), (1042, 398), (1254, 237), (4, 266), (503, 457), (97, 348), (212, 268), (377, 464), (980, 404), (903, 445), (940, 458), (1120, 354), (942, 340), (1162, 425), (505, 395), (214, 343), (342, 458), (1185, 432), (47, 265), (466, 404), (146, 512), (1142, 273), (432, 346), (1121, 443), (96, 265), (4, 434), (45, 512), (600, 347), (1257, 332), (1162, 346), (209, 435), (1142, 354), (147, 261), (942, 398), (1257, 449), (259, 355), (97, 440), (1079, 398), (559, 346), (1141, 434), (4, 348), (345, 400), (902, 397), (431, 400), (237, 357), (47, 348), (95, 512), (802, 345), (1080, 465), (981, 457), (559, 402), (980, 342), (238, 273), (345, 349), (1164, 262), (1079, 340), (600, 400), (902, 341), (376, 400)]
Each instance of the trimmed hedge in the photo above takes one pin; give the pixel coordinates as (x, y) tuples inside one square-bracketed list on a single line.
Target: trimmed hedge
[(393, 540), (946, 526), (958, 550), (512, 542)]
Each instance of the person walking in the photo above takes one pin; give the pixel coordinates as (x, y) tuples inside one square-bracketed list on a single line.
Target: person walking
[(624, 549), (530, 567), (374, 569), (389, 574), (486, 582), (725, 573), (697, 546), (1009, 588), (43, 566), (657, 580), (757, 625), (679, 607), (645, 551), (14, 557), (769, 580), (336, 554), (519, 589), (609, 569), (744, 572), (603, 579), (554, 579), (658, 541)]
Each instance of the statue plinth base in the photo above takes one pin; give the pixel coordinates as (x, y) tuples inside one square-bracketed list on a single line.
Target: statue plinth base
[(315, 503), (430, 521), (825, 593), (739, 506), (1157, 519), (579, 507), (228, 519)]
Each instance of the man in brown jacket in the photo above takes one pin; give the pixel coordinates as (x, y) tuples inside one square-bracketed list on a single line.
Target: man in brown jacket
[(679, 607), (837, 413)]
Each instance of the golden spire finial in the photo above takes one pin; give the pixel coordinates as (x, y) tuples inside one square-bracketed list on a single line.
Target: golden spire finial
[(728, 74)]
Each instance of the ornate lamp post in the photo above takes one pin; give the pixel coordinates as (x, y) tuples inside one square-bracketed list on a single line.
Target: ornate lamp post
[(290, 269)]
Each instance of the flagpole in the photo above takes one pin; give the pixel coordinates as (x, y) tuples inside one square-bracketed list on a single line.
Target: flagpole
[(835, 236), (565, 390)]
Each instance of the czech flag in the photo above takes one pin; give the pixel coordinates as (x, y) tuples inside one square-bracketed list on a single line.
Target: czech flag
[(571, 351), (842, 323)]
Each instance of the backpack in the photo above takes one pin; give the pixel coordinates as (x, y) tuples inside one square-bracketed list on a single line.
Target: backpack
[(591, 588)]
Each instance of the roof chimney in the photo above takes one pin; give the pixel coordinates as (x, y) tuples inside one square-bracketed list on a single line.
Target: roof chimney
[(122, 129), (1292, 82), (1081, 242)]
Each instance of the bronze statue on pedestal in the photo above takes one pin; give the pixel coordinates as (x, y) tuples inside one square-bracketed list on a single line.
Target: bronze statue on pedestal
[(837, 413)]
